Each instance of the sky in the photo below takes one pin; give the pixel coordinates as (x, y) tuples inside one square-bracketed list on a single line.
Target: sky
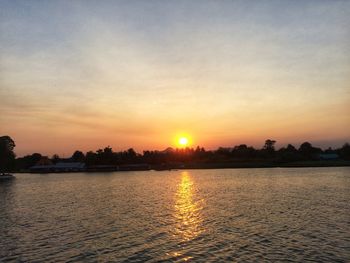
[(87, 74)]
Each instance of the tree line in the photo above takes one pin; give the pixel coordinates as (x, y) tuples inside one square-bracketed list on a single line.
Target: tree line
[(106, 156)]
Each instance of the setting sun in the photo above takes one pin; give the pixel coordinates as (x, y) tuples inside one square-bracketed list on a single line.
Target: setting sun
[(183, 141)]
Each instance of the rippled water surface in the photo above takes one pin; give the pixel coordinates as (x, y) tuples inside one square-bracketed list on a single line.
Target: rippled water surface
[(258, 215)]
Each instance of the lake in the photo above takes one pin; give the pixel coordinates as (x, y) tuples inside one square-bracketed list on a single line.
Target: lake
[(250, 215)]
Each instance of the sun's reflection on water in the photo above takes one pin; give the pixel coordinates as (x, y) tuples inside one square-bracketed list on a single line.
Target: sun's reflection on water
[(187, 209)]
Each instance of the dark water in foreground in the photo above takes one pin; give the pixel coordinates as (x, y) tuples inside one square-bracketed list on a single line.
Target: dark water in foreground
[(293, 215)]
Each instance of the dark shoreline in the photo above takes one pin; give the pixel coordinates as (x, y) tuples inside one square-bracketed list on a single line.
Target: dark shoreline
[(300, 164), (194, 166)]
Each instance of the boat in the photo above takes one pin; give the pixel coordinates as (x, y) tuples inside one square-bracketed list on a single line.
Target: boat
[(6, 176)]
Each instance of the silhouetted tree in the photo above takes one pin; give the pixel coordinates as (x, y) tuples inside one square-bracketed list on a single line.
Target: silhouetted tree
[(105, 156), (131, 153), (55, 158), (90, 158), (268, 150), (243, 152), (7, 156), (344, 152), (78, 156), (291, 148), (269, 145), (288, 154), (28, 161), (305, 147), (308, 151), (199, 153), (223, 151)]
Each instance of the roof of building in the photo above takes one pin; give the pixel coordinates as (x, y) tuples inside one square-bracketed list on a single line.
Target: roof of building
[(71, 165), (329, 156)]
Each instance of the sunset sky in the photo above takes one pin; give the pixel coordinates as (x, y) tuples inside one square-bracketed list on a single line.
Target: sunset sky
[(87, 74)]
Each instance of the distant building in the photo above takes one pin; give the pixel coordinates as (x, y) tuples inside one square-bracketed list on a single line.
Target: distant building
[(58, 167), (70, 167), (328, 156)]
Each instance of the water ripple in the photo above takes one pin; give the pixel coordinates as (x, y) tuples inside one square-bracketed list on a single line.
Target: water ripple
[(250, 215)]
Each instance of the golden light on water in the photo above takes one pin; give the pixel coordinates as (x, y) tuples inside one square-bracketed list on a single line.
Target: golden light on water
[(187, 209)]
